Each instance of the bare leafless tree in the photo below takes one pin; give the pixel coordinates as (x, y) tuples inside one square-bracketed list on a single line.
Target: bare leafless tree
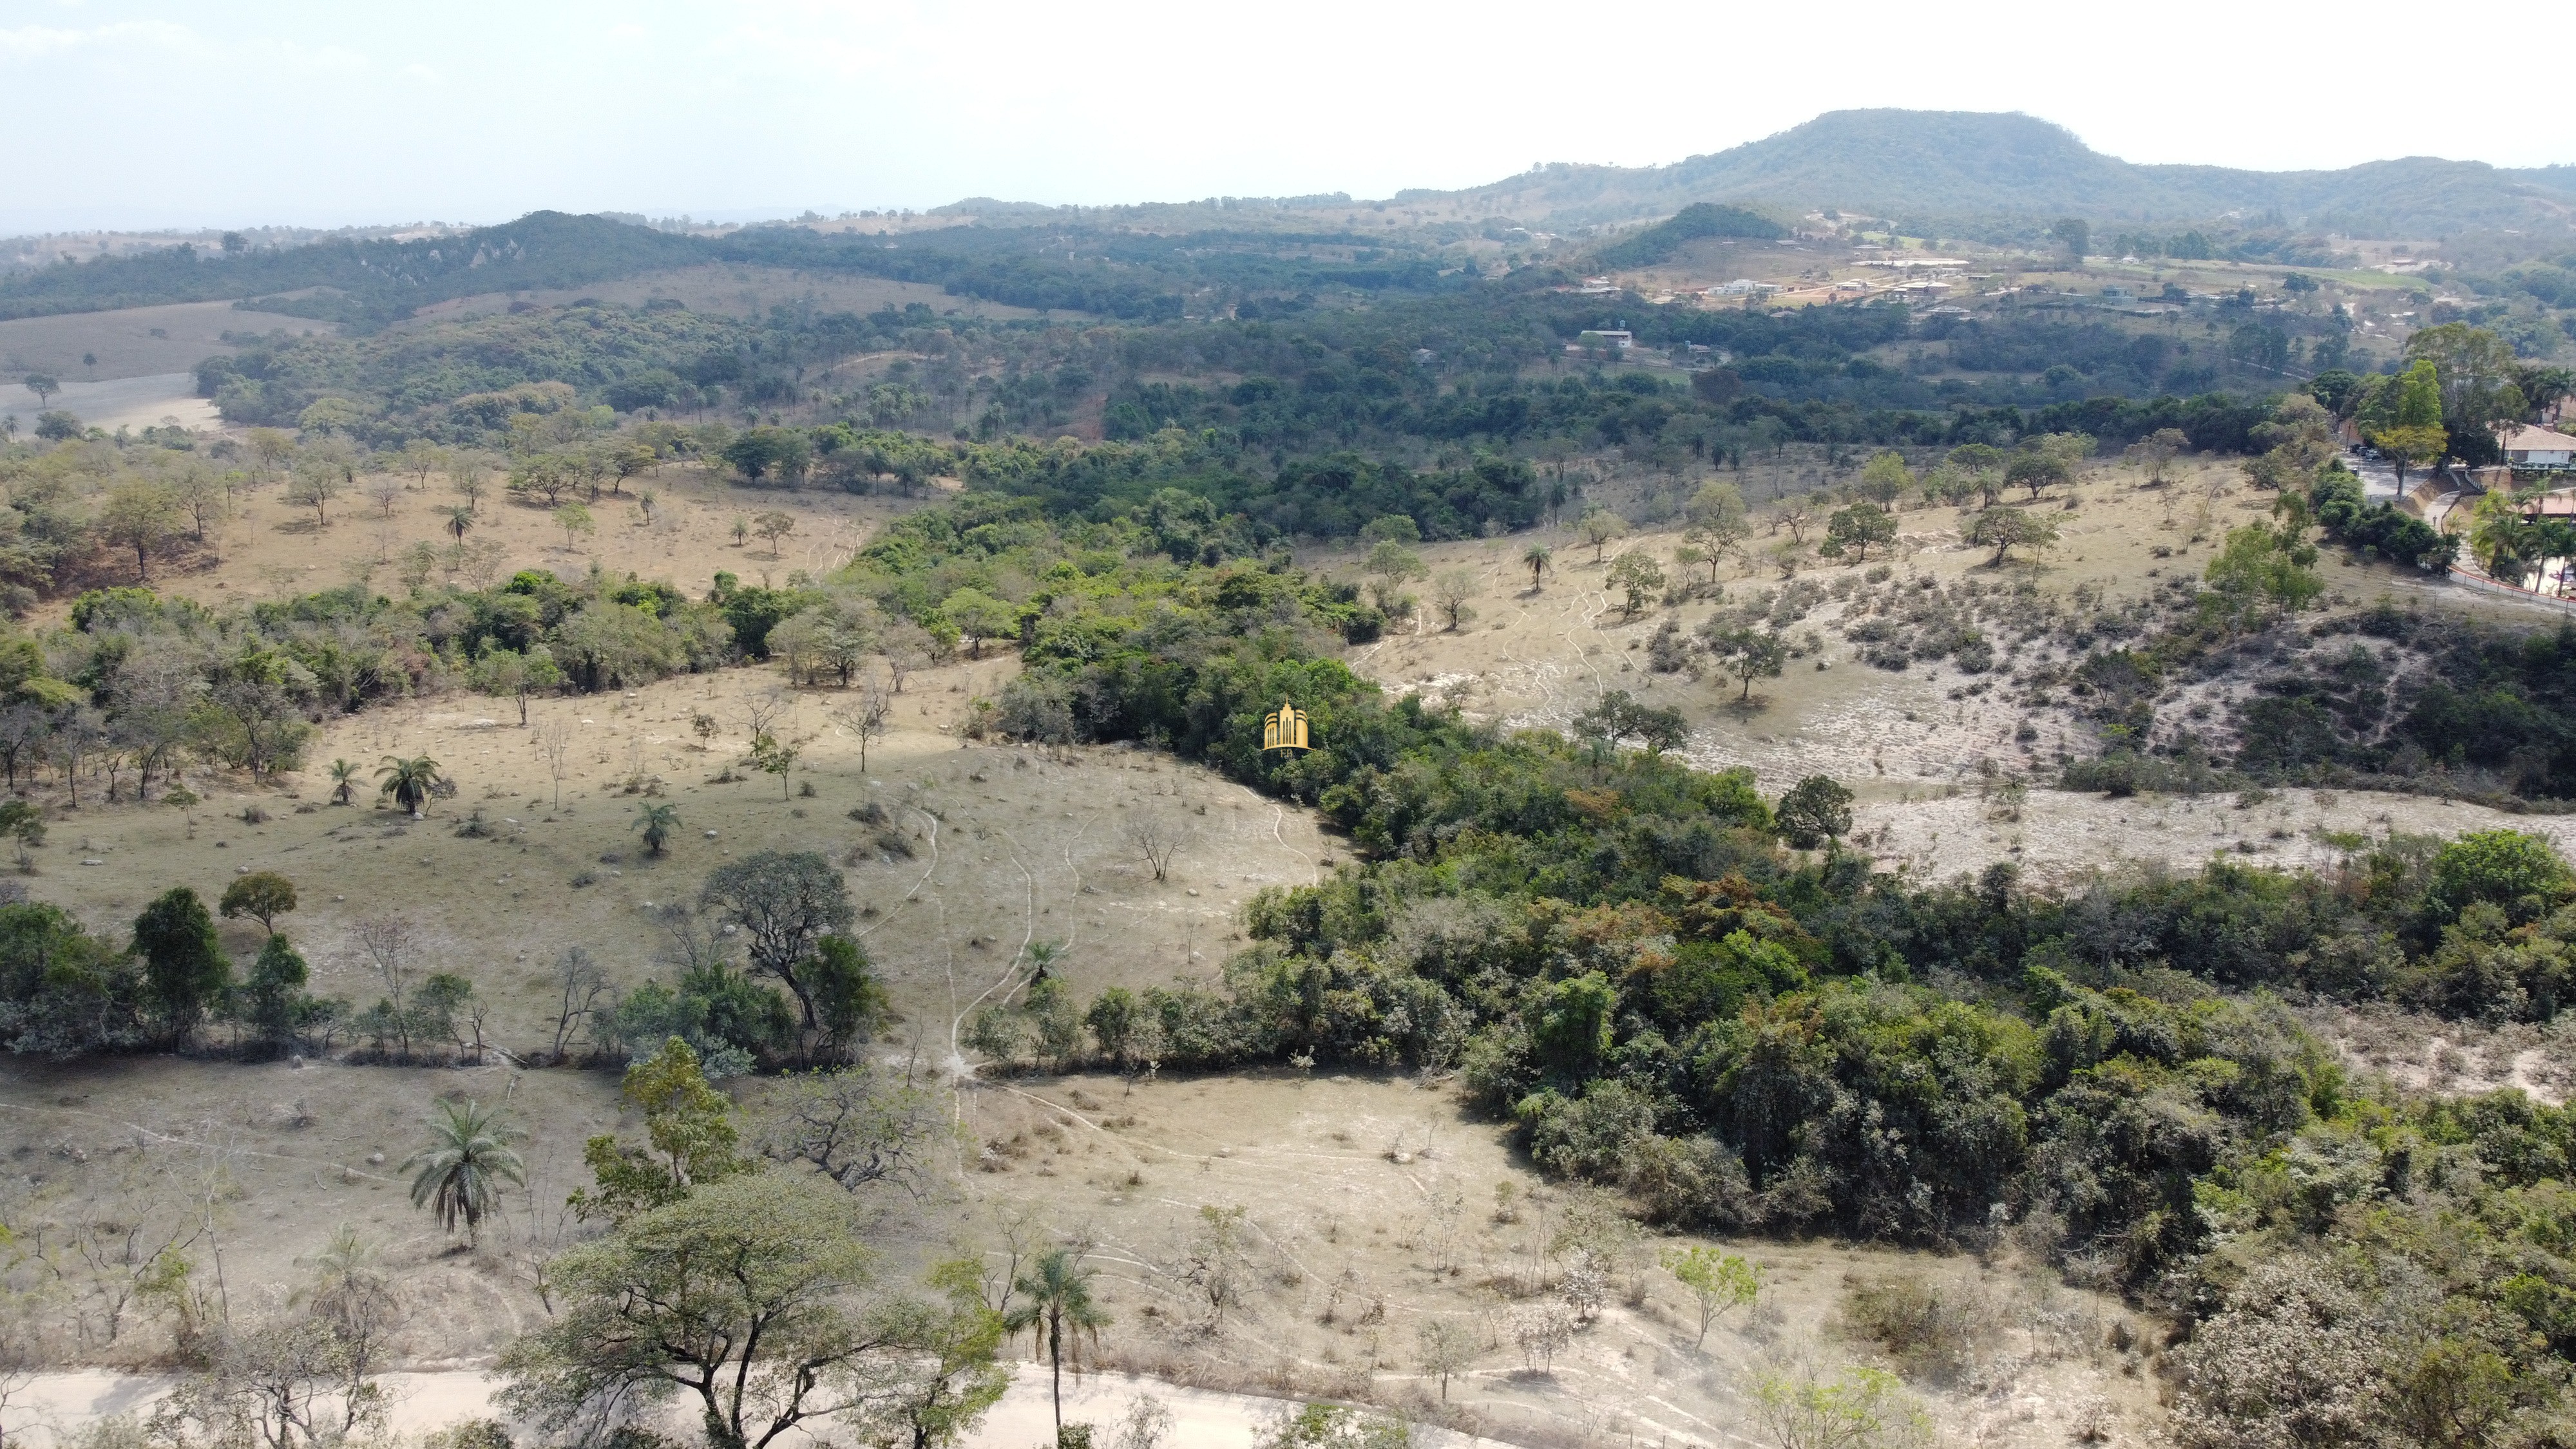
[(865, 716), (1158, 838), (858, 1127), (580, 981), (766, 711), (692, 942), (907, 648), (554, 744), (392, 947)]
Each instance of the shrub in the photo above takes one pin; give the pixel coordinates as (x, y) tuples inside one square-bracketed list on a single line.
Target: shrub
[(1932, 1332)]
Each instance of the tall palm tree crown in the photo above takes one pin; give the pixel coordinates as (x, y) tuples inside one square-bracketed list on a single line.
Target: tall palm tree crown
[(459, 1175), (1058, 1314), (408, 781)]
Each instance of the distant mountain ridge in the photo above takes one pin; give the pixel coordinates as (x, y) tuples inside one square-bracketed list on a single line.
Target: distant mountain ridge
[(1973, 164)]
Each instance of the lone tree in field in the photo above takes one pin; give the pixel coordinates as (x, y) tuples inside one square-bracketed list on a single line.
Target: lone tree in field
[(1057, 1312), (344, 780), (315, 483), (2005, 528), (500, 671), (1750, 654), (1885, 480), (2157, 450), (1448, 1349), (771, 755), (1600, 528), (1450, 592), (459, 1175), (1157, 837), (2037, 471), (1717, 521), (1536, 559), (787, 901), (774, 526), (1390, 566), (1855, 529), (866, 716), (408, 781), (1815, 812), (262, 895), (44, 385), (1718, 1281), (657, 822), (1638, 578)]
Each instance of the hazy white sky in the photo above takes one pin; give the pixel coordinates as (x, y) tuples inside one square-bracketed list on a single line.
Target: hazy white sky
[(129, 113)]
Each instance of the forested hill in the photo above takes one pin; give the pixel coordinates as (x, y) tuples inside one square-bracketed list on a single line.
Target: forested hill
[(1113, 272), (1969, 164), (357, 279)]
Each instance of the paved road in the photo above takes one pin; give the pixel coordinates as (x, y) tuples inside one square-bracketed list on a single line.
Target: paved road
[(2378, 480)]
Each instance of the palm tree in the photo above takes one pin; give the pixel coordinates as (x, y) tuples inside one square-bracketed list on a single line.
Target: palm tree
[(344, 781), (657, 822), (1058, 1315), (1536, 558), (408, 781), (1044, 955), (459, 520), (459, 1174)]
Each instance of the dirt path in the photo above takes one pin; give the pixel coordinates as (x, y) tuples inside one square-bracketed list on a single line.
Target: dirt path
[(54, 1405)]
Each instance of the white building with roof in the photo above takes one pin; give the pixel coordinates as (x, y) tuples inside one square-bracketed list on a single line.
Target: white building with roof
[(2530, 447)]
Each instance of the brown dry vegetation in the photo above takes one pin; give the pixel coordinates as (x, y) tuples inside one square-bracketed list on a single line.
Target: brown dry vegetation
[(270, 548), (131, 342), (738, 290)]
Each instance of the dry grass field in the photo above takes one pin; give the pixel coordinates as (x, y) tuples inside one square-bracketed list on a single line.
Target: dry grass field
[(740, 291), (272, 549), (133, 342)]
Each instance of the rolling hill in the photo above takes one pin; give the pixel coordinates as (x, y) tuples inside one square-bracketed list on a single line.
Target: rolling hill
[(1967, 164)]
